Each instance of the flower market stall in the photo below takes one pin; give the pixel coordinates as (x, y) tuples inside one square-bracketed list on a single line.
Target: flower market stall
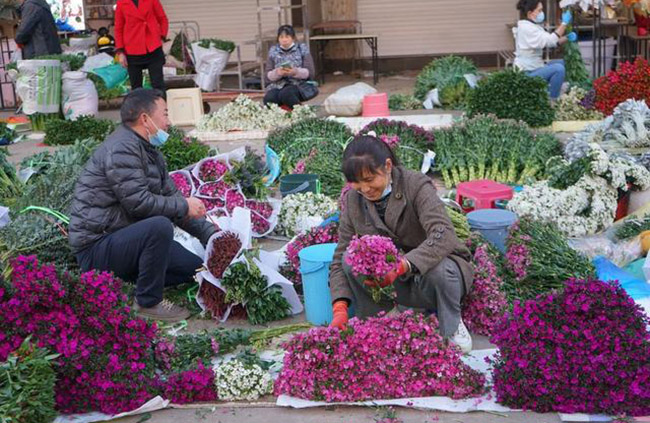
[(563, 306)]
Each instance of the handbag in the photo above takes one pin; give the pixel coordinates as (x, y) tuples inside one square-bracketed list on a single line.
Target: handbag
[(307, 90)]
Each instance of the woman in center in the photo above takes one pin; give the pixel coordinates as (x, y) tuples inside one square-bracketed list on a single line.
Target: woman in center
[(389, 200)]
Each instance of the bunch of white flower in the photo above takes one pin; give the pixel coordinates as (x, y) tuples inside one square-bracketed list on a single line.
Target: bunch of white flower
[(237, 381), (582, 209), (618, 170), (303, 211)]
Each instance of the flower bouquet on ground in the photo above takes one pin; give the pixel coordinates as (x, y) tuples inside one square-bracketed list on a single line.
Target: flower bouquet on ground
[(379, 358), (582, 350), (183, 181), (239, 381), (303, 211), (371, 257), (211, 169), (315, 236)]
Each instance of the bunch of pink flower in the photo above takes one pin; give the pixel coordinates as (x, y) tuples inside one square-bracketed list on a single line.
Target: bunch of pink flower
[(212, 170), (183, 184), (106, 362), (378, 358), (260, 212), (585, 349), (190, 386), (315, 236), (518, 255), (392, 141), (485, 305), (212, 203), (301, 165), (371, 257), (234, 199), (214, 189)]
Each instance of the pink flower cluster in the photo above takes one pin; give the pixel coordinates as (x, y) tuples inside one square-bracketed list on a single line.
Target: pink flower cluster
[(378, 358), (214, 189), (212, 170), (106, 361), (190, 386), (518, 257), (585, 349), (260, 212), (315, 236), (485, 305), (234, 198), (392, 141), (301, 166), (183, 184), (372, 256)]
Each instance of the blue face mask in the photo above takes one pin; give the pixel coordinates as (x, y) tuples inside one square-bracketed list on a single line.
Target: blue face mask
[(159, 138), (540, 17)]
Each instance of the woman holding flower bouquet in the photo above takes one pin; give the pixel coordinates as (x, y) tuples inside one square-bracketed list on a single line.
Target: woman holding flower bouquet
[(433, 271)]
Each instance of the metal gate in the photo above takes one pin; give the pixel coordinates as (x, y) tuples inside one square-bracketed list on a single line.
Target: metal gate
[(8, 98)]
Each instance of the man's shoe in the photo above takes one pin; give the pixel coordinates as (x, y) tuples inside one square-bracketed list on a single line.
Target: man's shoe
[(462, 338), (165, 311)]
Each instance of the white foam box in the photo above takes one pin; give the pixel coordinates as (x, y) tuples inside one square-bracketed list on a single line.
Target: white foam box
[(646, 268)]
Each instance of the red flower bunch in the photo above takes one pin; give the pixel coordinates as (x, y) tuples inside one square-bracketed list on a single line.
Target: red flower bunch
[(631, 80), (585, 349), (377, 358), (260, 212), (193, 385), (183, 182), (213, 170), (106, 362), (315, 236)]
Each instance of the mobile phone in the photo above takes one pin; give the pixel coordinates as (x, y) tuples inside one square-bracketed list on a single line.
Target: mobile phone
[(286, 65)]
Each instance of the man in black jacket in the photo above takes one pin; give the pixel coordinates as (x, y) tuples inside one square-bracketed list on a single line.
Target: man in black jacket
[(37, 33), (125, 205)]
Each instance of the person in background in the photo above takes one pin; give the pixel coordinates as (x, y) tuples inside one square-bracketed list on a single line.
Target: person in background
[(288, 64), (389, 200), (125, 207), (37, 34), (531, 39), (140, 28)]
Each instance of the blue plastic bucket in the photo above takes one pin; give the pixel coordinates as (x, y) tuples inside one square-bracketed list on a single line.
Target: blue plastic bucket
[(315, 268), (493, 224)]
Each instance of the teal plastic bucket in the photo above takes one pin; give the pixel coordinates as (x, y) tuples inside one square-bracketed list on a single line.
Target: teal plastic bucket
[(315, 269), (294, 184), (493, 224)]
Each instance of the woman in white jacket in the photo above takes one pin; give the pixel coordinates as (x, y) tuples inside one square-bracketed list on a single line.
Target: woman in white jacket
[(531, 39)]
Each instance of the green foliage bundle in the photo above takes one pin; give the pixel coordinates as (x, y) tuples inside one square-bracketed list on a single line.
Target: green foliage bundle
[(447, 74), (66, 132), (10, 186), (224, 45), (72, 62), (181, 150), (511, 94), (403, 102), (633, 227), (485, 147), (316, 143), (27, 386)]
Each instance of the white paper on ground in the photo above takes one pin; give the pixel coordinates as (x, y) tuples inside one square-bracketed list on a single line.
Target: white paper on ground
[(476, 360), (153, 404), (584, 417), (288, 291)]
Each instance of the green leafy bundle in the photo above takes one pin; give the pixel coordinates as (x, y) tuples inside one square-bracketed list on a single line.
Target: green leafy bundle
[(66, 132), (511, 94), (245, 284), (6, 132), (249, 174), (176, 51), (414, 141), (224, 45), (181, 151), (541, 260), (403, 102), (319, 144), (633, 227), (72, 62), (10, 185), (447, 74), (40, 120), (460, 223), (27, 386), (103, 93), (488, 148), (562, 175)]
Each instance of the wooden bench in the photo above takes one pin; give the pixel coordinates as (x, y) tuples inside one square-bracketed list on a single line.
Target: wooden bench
[(508, 57)]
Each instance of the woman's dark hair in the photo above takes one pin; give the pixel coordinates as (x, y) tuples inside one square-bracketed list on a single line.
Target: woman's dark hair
[(366, 154), (525, 6), (287, 30)]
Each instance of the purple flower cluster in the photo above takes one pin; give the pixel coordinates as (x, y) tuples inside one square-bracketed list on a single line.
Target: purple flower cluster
[(315, 236), (378, 358), (261, 211), (372, 256), (485, 305), (392, 141), (411, 133), (190, 386), (588, 102), (183, 183), (214, 189), (213, 170), (106, 359), (518, 257), (585, 349)]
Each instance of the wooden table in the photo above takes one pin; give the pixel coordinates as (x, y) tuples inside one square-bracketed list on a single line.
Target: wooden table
[(322, 40)]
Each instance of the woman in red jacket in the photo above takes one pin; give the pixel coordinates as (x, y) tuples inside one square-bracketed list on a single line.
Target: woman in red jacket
[(140, 28)]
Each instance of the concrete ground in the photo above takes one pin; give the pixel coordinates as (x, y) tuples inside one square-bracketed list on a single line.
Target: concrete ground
[(267, 412)]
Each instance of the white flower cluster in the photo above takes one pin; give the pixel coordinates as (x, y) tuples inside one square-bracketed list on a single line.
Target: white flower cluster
[(244, 114), (568, 107), (618, 171), (301, 212), (237, 381), (585, 208)]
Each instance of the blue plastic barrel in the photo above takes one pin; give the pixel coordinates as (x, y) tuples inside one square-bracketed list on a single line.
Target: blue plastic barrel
[(315, 268), (493, 224)]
